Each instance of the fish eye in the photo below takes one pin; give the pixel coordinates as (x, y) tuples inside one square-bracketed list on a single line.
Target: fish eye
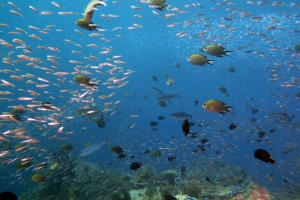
[(203, 104)]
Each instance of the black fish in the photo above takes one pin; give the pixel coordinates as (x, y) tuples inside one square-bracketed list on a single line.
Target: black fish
[(273, 130), (201, 147), (153, 123), (169, 197), (146, 151), (232, 126), (171, 158), (186, 127), (253, 120), (267, 140), (207, 179), (203, 141), (254, 111), (121, 155), (183, 170), (194, 134), (8, 196), (200, 125), (135, 165), (195, 151), (161, 117), (263, 155), (196, 102), (261, 134), (218, 152)]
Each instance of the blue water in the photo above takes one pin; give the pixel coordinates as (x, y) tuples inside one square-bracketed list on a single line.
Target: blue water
[(149, 51)]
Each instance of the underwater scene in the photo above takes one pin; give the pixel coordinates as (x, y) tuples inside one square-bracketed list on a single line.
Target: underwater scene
[(150, 100)]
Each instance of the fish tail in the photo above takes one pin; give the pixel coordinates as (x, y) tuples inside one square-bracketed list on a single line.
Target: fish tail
[(272, 161), (105, 141), (223, 113), (178, 94), (93, 84), (210, 62), (229, 109), (227, 53)]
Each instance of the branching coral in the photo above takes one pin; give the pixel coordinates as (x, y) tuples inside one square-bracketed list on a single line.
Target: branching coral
[(167, 188), (150, 190), (191, 188)]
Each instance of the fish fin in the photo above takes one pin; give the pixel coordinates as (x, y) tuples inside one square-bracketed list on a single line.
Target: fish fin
[(169, 102), (272, 161), (105, 141), (46, 176), (93, 84), (178, 94), (185, 135), (229, 109), (210, 62), (222, 113), (220, 56)]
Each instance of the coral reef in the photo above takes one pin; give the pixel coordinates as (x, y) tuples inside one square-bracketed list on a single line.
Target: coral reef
[(184, 197), (167, 188), (120, 195), (169, 176), (138, 195), (191, 187), (75, 180), (259, 193)]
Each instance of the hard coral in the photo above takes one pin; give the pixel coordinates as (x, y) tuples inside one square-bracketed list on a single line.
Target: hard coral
[(169, 175), (259, 194)]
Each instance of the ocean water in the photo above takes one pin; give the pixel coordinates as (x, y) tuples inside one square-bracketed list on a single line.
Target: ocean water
[(265, 78)]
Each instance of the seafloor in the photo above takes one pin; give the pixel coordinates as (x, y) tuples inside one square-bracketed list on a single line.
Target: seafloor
[(76, 180)]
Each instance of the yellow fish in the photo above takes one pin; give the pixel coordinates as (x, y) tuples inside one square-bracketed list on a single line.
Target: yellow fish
[(217, 106)]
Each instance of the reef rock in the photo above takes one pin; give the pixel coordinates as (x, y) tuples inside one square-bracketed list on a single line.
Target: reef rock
[(138, 195)]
